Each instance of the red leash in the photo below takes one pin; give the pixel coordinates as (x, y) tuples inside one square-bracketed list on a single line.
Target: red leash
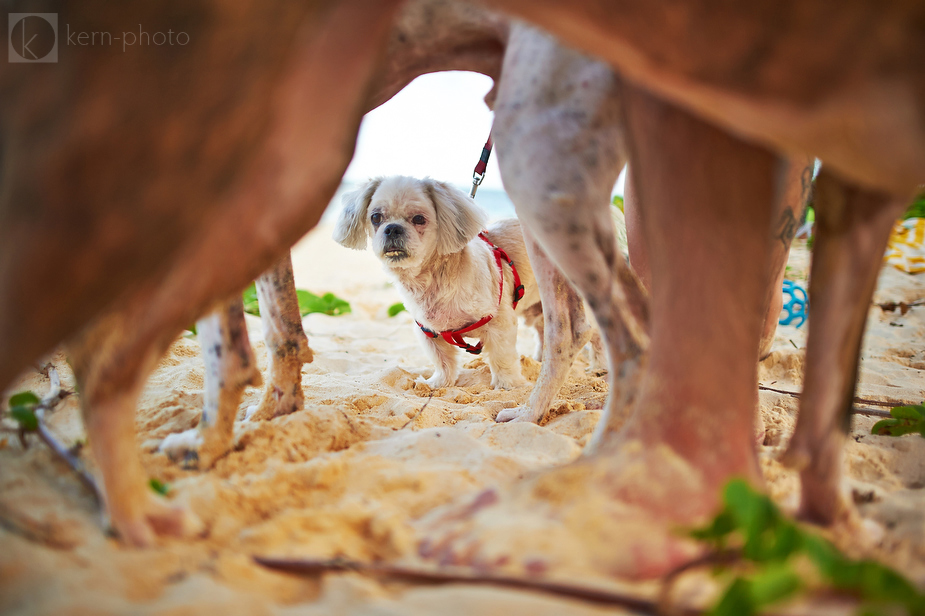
[(479, 174), (454, 336)]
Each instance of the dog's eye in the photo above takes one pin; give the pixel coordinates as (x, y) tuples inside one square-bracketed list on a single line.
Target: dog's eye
[(376, 218), (419, 220)]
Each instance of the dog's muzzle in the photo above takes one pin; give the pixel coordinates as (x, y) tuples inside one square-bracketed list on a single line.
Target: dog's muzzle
[(394, 248)]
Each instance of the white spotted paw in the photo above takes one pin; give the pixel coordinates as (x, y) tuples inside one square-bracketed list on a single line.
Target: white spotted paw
[(519, 413), (183, 447)]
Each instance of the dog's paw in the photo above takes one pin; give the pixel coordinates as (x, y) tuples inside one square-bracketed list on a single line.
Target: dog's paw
[(519, 413), (183, 447), (508, 381), (153, 518), (438, 380)]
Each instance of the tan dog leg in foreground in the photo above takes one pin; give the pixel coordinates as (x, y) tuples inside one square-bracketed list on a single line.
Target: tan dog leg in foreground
[(107, 403), (286, 342), (230, 367)]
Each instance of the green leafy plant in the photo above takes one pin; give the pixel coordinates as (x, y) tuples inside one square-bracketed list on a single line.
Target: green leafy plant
[(328, 303), (810, 215), (159, 486), (396, 308), (769, 545), (250, 300), (917, 209), (22, 409), (906, 420), (618, 202)]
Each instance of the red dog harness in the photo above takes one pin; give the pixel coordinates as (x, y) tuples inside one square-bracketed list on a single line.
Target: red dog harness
[(454, 336)]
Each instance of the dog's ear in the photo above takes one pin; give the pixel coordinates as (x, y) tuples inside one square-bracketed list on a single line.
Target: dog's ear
[(350, 230), (459, 219)]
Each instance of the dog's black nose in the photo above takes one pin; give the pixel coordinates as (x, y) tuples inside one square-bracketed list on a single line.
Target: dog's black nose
[(393, 230)]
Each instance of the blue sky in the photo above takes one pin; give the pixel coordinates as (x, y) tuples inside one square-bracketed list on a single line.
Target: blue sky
[(434, 127)]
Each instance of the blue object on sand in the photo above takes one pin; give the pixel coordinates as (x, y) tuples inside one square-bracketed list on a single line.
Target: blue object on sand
[(795, 302)]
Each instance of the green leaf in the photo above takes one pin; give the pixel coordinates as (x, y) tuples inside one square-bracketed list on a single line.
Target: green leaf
[(775, 583), (722, 525), (396, 308), (250, 300), (328, 304), (736, 601), (26, 417), (907, 420), (24, 398), (883, 426), (908, 412), (618, 202), (917, 209), (159, 486), (308, 302), (896, 427), (747, 596), (768, 535), (810, 214), (770, 540)]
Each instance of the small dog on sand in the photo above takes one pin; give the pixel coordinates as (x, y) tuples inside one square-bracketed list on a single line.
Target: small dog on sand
[(457, 278)]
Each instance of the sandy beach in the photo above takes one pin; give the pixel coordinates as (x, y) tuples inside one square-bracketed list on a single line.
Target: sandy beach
[(372, 453)]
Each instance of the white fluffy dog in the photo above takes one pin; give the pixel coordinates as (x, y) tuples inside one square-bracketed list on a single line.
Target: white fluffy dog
[(456, 279)]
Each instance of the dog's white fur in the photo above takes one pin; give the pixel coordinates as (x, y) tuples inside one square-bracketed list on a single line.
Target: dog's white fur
[(425, 233)]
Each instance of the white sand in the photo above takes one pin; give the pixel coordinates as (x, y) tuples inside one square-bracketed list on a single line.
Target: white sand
[(371, 453)]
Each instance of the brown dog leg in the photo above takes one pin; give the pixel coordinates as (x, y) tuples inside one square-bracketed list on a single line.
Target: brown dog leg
[(280, 190), (706, 206), (797, 185), (852, 229), (230, 367), (107, 404), (287, 344)]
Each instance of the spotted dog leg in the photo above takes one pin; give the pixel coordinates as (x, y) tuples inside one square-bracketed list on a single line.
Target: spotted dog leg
[(554, 101), (287, 344), (230, 367), (565, 331), (852, 229)]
